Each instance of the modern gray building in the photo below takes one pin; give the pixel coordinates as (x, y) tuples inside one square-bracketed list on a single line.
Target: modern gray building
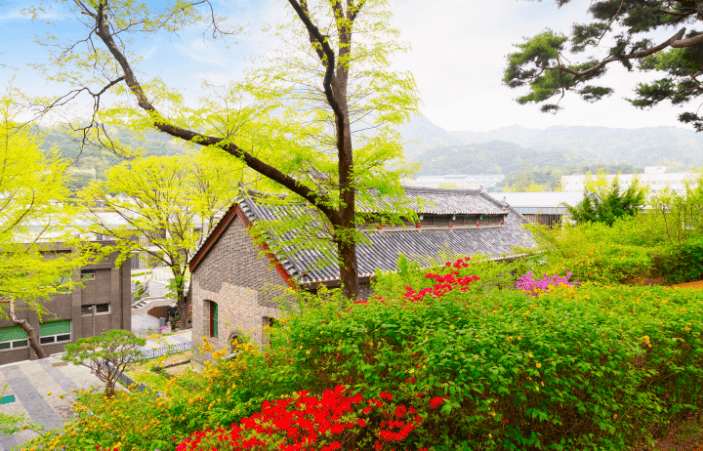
[(103, 304)]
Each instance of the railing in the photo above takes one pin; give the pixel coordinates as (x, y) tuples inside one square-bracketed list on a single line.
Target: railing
[(156, 289), (164, 350), (129, 382)]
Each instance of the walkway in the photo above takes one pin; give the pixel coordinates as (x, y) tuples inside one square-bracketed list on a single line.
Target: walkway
[(31, 382)]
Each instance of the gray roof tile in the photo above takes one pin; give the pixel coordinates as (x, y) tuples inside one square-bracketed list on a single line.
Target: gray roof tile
[(309, 265)]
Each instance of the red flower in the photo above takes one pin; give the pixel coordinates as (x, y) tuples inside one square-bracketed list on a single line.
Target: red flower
[(361, 422), (436, 402)]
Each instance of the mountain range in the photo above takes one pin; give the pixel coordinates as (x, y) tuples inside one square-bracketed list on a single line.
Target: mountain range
[(674, 147)]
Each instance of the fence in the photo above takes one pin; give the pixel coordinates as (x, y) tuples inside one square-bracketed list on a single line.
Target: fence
[(158, 352), (162, 274), (129, 382)]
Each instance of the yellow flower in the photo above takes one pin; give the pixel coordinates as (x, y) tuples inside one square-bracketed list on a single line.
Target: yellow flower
[(451, 326), (49, 394), (538, 365)]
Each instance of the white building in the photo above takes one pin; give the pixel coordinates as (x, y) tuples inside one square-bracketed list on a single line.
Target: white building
[(655, 178), (461, 181)]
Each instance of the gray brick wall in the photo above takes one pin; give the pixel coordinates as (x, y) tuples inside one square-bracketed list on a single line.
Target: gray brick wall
[(241, 282)]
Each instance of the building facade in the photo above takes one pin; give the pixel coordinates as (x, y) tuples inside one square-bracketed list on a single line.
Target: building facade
[(236, 289), (548, 208), (461, 181), (656, 178), (103, 304)]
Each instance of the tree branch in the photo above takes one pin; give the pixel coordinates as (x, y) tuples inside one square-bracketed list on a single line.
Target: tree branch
[(329, 53), (674, 41), (320, 201)]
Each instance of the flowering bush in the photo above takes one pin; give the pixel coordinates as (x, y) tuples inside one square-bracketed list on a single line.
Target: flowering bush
[(595, 368), (535, 287), (336, 420)]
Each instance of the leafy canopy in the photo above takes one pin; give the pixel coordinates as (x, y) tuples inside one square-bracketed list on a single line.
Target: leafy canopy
[(603, 203), (35, 218)]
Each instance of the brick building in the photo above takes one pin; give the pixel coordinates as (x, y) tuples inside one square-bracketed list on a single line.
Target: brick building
[(232, 286), (104, 303)]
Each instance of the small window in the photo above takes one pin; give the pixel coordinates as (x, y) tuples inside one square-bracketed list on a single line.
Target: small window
[(213, 319), (87, 274), (86, 309), (55, 331), (12, 338), (102, 308)]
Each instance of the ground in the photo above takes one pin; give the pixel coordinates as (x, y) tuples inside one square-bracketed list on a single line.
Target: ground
[(31, 382)]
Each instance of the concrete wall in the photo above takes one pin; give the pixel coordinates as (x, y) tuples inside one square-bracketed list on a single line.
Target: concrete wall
[(110, 286)]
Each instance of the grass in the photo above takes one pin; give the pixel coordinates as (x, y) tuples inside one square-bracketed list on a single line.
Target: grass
[(142, 370)]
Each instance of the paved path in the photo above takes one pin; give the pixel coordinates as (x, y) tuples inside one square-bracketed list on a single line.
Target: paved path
[(31, 381)]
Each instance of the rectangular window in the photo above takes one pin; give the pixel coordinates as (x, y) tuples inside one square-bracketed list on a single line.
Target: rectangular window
[(13, 338), (55, 332), (87, 274), (102, 308), (86, 309), (213, 319)]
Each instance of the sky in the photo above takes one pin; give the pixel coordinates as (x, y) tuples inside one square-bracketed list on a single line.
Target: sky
[(458, 56)]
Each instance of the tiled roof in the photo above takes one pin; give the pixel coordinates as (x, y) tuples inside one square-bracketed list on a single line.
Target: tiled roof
[(442, 202), (417, 244)]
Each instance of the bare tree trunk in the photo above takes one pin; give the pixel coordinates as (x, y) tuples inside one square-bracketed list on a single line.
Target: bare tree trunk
[(31, 333)]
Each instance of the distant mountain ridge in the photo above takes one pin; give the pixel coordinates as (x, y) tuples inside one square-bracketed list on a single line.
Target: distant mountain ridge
[(495, 157), (679, 148)]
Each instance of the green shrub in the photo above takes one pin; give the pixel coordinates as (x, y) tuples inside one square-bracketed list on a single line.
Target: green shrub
[(682, 262), (586, 368)]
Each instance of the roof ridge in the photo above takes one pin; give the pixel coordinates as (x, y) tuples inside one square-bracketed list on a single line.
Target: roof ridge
[(441, 190)]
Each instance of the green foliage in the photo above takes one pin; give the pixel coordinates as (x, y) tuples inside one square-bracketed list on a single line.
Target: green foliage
[(595, 251), (517, 372), (549, 177), (606, 205), (170, 204), (107, 354), (34, 218)]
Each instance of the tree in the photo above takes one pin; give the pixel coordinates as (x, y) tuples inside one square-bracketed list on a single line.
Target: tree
[(173, 202), (606, 204), (107, 355), (317, 123), (541, 62), (33, 219)]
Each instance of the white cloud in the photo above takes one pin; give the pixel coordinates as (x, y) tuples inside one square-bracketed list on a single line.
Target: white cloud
[(459, 54), (205, 52)]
